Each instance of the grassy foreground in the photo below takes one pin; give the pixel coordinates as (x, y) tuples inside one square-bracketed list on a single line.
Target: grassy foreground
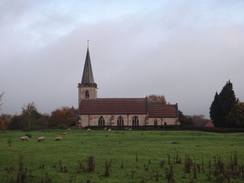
[(122, 156)]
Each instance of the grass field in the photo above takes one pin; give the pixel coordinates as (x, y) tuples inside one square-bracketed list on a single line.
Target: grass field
[(122, 156)]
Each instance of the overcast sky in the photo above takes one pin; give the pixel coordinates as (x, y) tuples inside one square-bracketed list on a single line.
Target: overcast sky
[(185, 50)]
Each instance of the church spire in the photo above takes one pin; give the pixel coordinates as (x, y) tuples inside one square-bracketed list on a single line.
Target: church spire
[(87, 89), (87, 77)]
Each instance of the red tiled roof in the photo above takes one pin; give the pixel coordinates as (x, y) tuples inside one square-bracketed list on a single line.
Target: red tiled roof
[(128, 106), (159, 110), (113, 106), (209, 124)]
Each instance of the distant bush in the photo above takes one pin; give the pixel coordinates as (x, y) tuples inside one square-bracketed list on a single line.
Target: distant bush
[(28, 135)]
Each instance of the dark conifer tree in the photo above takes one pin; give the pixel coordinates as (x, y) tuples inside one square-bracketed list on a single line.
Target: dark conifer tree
[(222, 105), (227, 100), (215, 111)]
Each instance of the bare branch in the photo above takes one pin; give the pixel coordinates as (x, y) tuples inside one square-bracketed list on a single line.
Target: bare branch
[(1, 95)]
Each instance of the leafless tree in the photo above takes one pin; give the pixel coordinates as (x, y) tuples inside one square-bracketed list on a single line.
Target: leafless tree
[(1, 95)]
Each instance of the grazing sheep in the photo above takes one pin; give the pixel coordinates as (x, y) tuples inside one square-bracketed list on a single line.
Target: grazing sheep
[(64, 133), (68, 129), (88, 129), (41, 139), (58, 139), (24, 138), (109, 129)]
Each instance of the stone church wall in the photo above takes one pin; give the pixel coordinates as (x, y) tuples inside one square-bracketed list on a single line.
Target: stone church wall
[(163, 121), (111, 120)]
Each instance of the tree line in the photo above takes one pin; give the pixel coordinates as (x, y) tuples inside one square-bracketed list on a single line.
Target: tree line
[(226, 110), (31, 119)]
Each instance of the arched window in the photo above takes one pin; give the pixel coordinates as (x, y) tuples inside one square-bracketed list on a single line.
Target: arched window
[(87, 94), (101, 121), (135, 121), (120, 121), (155, 122)]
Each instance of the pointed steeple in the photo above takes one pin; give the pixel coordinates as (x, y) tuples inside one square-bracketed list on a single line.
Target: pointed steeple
[(87, 89), (87, 77)]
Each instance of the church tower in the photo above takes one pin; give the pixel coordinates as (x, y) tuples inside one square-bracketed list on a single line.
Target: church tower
[(87, 89)]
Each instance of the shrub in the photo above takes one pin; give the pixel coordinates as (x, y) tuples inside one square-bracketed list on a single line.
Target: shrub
[(90, 164)]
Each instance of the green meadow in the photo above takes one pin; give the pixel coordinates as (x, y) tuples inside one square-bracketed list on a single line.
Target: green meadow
[(122, 156)]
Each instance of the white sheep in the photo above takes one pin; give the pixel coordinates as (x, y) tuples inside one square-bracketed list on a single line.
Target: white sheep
[(58, 139), (88, 129), (40, 139), (24, 138)]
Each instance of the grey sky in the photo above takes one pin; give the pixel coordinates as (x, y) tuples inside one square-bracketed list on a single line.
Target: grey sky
[(183, 49)]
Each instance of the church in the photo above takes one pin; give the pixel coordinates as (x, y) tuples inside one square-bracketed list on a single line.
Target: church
[(149, 111)]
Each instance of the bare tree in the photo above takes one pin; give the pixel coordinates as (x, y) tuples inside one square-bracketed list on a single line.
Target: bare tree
[(1, 95)]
